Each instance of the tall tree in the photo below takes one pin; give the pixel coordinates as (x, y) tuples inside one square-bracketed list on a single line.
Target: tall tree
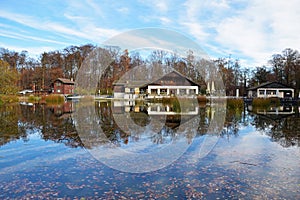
[(286, 66), (8, 78), (260, 75)]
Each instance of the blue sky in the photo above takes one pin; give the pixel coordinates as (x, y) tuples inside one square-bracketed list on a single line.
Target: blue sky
[(248, 30)]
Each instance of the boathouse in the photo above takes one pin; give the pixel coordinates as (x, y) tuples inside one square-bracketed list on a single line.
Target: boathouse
[(271, 89)]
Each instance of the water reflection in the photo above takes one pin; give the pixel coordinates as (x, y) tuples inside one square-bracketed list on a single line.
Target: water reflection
[(244, 164), (123, 123), (53, 122), (280, 123), (142, 136)]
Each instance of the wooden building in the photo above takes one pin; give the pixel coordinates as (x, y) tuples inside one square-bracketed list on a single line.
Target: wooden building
[(63, 86)]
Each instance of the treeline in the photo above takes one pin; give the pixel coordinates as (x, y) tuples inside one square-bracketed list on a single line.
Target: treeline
[(20, 71), (42, 71), (284, 68)]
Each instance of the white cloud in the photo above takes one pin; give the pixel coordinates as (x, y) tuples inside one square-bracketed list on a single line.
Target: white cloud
[(165, 20), (14, 35), (161, 6), (123, 10), (252, 30), (78, 31), (33, 51), (261, 29), (198, 16), (249, 30), (196, 30)]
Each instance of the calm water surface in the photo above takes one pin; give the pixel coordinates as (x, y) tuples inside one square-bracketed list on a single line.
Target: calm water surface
[(148, 151)]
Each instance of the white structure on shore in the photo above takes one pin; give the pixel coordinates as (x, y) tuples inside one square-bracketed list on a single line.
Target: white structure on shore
[(271, 89), (171, 84)]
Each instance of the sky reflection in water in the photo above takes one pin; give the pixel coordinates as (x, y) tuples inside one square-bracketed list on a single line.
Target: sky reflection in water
[(243, 164)]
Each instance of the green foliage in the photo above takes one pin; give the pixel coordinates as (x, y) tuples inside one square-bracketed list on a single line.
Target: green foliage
[(261, 102), (235, 104), (57, 99), (106, 91), (8, 79), (9, 130), (202, 91), (33, 98), (265, 102), (4, 99)]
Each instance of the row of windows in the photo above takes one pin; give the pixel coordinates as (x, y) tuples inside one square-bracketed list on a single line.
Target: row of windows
[(269, 92)]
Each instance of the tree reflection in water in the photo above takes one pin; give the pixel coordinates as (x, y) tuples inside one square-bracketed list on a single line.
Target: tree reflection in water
[(281, 124), (56, 123), (19, 121)]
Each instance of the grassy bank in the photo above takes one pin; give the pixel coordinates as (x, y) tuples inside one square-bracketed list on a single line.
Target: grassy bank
[(53, 99), (235, 104), (5, 99), (265, 102), (49, 99)]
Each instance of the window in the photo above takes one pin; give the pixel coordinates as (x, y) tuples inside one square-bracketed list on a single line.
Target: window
[(261, 92), (271, 92), (58, 83)]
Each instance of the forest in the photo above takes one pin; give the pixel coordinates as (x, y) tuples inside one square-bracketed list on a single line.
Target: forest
[(20, 71)]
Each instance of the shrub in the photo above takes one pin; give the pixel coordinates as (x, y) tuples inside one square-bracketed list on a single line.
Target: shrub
[(55, 99), (261, 102), (275, 101), (8, 99), (33, 98), (235, 103)]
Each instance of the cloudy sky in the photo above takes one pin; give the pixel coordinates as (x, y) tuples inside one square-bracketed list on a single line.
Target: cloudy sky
[(250, 31)]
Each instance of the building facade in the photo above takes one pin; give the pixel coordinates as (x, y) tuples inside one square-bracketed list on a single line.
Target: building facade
[(171, 84), (271, 89), (63, 86)]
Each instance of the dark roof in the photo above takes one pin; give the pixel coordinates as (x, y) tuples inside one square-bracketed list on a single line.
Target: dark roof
[(144, 83), (65, 80), (270, 85), (178, 73)]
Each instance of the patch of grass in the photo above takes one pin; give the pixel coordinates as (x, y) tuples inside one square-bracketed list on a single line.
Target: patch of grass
[(4, 99), (58, 99), (235, 104), (265, 102), (275, 101), (33, 98)]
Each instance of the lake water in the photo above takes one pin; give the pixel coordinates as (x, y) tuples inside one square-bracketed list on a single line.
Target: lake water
[(138, 150)]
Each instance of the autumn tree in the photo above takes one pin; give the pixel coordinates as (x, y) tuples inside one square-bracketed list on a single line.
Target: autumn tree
[(8, 79), (227, 74)]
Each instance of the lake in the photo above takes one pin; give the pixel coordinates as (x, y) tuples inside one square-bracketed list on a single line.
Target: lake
[(143, 150)]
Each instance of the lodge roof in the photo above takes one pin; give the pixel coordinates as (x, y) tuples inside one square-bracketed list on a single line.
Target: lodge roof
[(178, 73), (66, 81), (139, 83), (270, 85)]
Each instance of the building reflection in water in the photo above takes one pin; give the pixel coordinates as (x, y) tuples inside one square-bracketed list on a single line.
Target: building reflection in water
[(128, 122), (281, 123)]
